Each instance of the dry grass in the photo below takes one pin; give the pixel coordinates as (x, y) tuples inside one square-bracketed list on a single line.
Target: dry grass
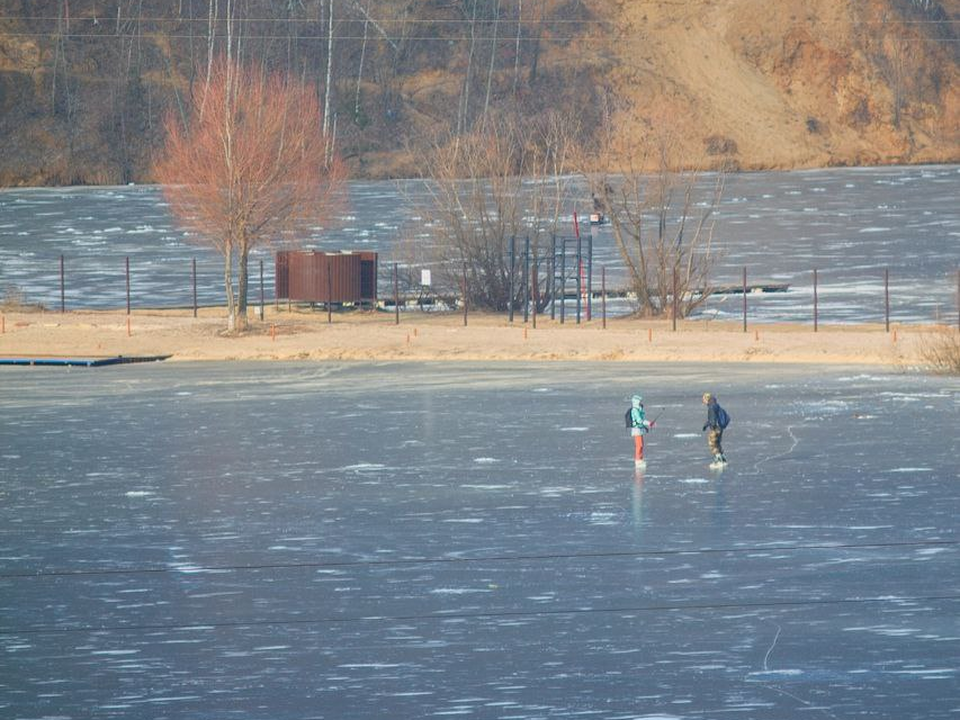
[(14, 301), (941, 351)]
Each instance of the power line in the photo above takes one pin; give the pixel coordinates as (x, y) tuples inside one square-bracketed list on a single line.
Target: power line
[(111, 19), (480, 615), (464, 561), (414, 38)]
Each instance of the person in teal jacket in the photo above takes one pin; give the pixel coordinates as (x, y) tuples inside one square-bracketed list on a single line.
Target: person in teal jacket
[(639, 426)]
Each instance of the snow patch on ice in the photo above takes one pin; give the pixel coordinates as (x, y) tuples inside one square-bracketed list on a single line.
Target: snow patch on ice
[(486, 460), (776, 673)]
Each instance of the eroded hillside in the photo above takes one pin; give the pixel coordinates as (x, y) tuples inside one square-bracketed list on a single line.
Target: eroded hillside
[(84, 84)]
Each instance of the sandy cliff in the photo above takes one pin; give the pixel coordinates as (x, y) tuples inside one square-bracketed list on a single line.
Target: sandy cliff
[(747, 83)]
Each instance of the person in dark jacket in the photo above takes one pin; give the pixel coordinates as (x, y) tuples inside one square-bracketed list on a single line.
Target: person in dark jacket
[(714, 428)]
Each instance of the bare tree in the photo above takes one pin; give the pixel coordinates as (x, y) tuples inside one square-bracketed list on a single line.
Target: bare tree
[(493, 59), (516, 58), (662, 222), (464, 107), (247, 170), (508, 179), (327, 83)]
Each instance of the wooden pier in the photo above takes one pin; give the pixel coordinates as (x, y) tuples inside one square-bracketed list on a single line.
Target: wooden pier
[(442, 299), (80, 361)]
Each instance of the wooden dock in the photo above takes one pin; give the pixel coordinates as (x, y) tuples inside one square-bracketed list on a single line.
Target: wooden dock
[(81, 361), (432, 300)]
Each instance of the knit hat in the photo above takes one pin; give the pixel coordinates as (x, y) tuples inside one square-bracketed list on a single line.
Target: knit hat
[(707, 397)]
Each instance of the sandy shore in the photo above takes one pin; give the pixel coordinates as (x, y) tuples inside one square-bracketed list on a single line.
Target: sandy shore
[(295, 335)]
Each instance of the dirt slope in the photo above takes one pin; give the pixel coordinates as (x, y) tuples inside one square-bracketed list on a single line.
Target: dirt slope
[(745, 83), (797, 83)]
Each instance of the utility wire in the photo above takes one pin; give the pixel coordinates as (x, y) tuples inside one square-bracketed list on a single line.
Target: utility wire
[(480, 615), (107, 34), (190, 569), (111, 19)]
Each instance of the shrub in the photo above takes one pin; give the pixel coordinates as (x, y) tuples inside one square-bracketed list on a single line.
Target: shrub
[(941, 351)]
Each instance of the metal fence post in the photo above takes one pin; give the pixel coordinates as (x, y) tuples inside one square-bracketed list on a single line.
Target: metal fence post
[(513, 265), (816, 308), (261, 291), (396, 295), (526, 276), (552, 278), (744, 299), (63, 294), (579, 275), (535, 289), (194, 287), (603, 294), (590, 276), (127, 263), (329, 291), (673, 312), (886, 298), (563, 280), (465, 303)]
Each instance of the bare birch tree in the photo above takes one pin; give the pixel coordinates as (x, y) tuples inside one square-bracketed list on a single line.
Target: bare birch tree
[(248, 169)]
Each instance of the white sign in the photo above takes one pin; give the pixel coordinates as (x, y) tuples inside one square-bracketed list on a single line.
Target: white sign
[(424, 277)]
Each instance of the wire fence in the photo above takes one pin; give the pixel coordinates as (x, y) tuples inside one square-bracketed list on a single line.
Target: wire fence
[(578, 293)]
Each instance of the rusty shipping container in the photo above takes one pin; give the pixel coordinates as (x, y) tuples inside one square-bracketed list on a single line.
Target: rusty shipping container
[(322, 277)]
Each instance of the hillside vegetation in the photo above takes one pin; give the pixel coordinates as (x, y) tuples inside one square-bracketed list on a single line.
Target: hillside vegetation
[(85, 84)]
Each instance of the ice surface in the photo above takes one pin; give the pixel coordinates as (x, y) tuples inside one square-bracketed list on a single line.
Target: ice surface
[(849, 223), (293, 541)]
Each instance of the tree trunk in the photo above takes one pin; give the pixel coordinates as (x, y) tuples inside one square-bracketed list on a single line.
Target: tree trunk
[(242, 284), (493, 59), (465, 93), (516, 59), (326, 89), (228, 286)]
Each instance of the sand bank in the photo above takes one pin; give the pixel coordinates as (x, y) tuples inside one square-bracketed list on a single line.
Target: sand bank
[(303, 334)]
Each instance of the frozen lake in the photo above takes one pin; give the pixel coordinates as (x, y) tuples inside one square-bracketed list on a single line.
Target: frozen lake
[(292, 541), (851, 224)]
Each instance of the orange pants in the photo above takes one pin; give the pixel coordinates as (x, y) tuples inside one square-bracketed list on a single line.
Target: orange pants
[(638, 447)]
